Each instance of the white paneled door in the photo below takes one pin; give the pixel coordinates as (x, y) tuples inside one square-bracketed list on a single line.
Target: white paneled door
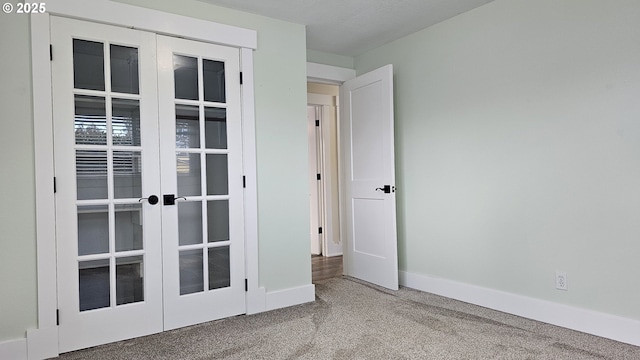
[(149, 217), (368, 161)]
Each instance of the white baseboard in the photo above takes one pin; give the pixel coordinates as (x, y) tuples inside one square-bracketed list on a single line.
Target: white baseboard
[(14, 349), (289, 297), (42, 343), (587, 321)]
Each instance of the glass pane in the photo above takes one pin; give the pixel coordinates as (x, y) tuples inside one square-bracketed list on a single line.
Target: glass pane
[(218, 220), (217, 174), (127, 175), (128, 227), (219, 268), (93, 229), (188, 169), (91, 174), (187, 126), (189, 222), (213, 74), (88, 65), (215, 128), (191, 274), (90, 120), (185, 70), (129, 280), (125, 122), (94, 284), (124, 69)]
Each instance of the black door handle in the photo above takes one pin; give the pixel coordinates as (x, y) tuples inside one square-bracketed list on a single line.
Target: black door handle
[(387, 189), (152, 199), (170, 199)]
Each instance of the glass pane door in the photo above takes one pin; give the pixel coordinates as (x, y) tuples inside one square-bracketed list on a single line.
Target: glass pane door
[(105, 119), (201, 161)]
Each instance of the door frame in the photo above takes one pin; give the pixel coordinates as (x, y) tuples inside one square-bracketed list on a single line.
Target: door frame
[(327, 165), (42, 342), (334, 75)]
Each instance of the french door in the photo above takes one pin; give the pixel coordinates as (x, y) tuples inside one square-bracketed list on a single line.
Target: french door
[(148, 163)]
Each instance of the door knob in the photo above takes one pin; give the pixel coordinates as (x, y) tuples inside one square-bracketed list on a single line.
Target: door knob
[(151, 199)]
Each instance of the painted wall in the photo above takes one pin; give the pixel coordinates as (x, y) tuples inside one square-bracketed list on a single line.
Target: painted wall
[(518, 149), (283, 205), (326, 58), (17, 184)]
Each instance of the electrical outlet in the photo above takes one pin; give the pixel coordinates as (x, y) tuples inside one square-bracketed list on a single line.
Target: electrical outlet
[(561, 281)]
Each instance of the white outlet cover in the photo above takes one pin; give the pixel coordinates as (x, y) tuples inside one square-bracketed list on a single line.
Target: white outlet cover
[(561, 281)]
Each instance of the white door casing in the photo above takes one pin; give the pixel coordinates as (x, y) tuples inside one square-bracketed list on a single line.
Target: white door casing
[(314, 195), (106, 175), (367, 133), (325, 161)]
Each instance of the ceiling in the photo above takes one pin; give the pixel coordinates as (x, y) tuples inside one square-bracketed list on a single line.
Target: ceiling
[(351, 27)]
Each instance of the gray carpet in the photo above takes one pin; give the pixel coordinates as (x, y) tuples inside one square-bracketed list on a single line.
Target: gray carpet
[(354, 320)]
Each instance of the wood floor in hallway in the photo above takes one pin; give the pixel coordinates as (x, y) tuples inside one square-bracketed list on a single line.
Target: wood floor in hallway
[(323, 268)]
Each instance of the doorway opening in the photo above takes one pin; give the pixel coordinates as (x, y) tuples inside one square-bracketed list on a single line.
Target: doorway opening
[(324, 212)]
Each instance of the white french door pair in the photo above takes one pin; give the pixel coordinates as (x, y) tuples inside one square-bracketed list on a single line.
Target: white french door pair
[(149, 198)]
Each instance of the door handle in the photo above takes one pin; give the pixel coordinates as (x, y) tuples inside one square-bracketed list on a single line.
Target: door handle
[(170, 199), (387, 189), (152, 199)]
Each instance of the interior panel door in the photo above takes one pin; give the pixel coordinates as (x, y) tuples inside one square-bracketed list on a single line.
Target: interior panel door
[(367, 129)]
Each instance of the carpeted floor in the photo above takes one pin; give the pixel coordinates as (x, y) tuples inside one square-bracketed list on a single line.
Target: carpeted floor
[(354, 320)]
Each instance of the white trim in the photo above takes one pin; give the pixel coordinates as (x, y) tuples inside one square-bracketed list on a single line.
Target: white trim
[(109, 12), (43, 342), (14, 349), (587, 321), (290, 297), (328, 74), (320, 99), (255, 294), (329, 110)]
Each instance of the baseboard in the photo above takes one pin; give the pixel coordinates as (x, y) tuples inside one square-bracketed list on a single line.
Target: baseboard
[(289, 297), (42, 343), (332, 254), (14, 349), (587, 321)]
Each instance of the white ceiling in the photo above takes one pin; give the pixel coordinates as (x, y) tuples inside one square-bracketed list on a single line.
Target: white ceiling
[(351, 27)]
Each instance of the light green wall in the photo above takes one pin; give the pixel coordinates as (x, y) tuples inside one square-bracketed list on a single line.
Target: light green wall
[(283, 200), (17, 209), (518, 149), (326, 58)]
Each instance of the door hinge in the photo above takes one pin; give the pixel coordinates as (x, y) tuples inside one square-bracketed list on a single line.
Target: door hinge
[(320, 230), (317, 122), (50, 52), (58, 317), (318, 177), (55, 187), (246, 285), (244, 181), (240, 77)]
